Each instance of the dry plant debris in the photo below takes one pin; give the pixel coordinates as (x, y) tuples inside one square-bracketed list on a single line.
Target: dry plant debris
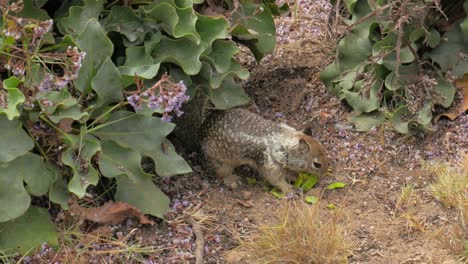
[(300, 234), (110, 213)]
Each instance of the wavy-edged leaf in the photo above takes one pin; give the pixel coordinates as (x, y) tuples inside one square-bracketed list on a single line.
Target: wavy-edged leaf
[(74, 112), (143, 194), (28, 232), (14, 97), (123, 19), (107, 84), (14, 141), (79, 16), (186, 53), (31, 9), (253, 26), (116, 160), (221, 54), (451, 53), (145, 134), (98, 48), (228, 95), (176, 21), (58, 192), (37, 174), (445, 90), (399, 120), (77, 156), (214, 79), (138, 62), (14, 199), (366, 121)]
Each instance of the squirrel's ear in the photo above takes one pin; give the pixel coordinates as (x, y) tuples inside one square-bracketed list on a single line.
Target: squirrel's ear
[(303, 146), (307, 131)]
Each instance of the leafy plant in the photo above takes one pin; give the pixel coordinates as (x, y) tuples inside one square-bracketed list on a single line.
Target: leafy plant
[(398, 59), (89, 92)]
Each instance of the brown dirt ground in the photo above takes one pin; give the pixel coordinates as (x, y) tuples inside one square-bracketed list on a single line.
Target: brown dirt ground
[(375, 166)]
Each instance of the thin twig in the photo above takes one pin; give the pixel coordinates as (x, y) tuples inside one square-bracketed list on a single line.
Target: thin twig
[(199, 239)]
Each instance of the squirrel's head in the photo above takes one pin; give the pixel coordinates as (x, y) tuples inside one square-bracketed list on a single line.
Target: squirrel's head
[(308, 155)]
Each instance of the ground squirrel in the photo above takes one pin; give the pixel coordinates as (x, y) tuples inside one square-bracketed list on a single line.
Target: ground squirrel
[(277, 151)]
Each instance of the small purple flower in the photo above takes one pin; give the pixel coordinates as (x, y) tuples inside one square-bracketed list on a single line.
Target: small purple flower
[(166, 117), (135, 101), (154, 102), (217, 238), (279, 115)]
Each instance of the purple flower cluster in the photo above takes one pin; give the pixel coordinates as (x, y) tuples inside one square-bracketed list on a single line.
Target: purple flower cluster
[(53, 82), (170, 98)]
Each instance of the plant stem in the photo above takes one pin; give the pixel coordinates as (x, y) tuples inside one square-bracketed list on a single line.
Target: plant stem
[(107, 112), (54, 126)]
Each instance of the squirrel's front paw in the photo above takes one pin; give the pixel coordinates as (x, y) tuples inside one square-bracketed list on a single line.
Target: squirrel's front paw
[(232, 181)]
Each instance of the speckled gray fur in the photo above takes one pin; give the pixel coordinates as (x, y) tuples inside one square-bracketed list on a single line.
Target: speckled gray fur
[(277, 151)]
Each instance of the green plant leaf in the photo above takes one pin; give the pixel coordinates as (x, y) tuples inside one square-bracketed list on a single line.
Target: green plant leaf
[(59, 193), (221, 54), (331, 206), (425, 114), (335, 185), (108, 84), (433, 39), (14, 141), (363, 103), (254, 28), (14, 97), (28, 232), (215, 79), (98, 48), (397, 120), (366, 121), (77, 156), (177, 22), (31, 9), (145, 134), (123, 19), (306, 181), (276, 193), (139, 62), (228, 95), (143, 194), (445, 90), (116, 160), (449, 54), (251, 181), (14, 199), (37, 175), (79, 16), (311, 199), (184, 52), (73, 112), (57, 99)]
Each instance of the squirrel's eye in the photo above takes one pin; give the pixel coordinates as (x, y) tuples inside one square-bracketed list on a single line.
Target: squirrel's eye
[(317, 165)]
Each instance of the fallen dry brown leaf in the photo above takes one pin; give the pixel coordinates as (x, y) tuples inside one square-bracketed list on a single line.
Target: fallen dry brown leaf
[(111, 213)]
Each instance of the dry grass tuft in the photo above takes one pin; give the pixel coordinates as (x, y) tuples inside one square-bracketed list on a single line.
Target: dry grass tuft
[(300, 235), (451, 188), (406, 198), (451, 182)]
